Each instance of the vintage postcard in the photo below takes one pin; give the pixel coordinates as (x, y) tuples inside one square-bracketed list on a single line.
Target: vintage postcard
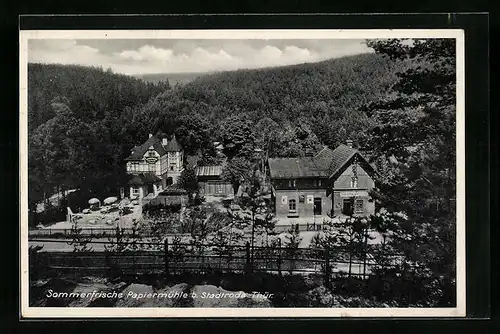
[(242, 173)]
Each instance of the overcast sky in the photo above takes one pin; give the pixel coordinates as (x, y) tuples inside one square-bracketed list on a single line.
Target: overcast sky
[(141, 56)]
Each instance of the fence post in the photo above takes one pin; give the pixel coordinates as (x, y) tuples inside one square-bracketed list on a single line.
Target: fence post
[(383, 253), (327, 267), (166, 257), (350, 256), (248, 263), (365, 253), (279, 256)]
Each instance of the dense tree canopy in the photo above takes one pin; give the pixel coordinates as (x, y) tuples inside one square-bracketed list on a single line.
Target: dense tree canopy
[(188, 181), (237, 171), (413, 143), (81, 127)]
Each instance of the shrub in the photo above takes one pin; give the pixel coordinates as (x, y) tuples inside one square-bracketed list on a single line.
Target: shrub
[(161, 209), (51, 214), (125, 210)]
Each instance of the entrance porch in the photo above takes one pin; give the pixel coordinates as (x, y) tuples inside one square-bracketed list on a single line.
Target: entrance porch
[(145, 184)]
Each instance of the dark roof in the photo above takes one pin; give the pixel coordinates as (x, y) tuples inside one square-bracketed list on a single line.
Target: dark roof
[(339, 157), (284, 168), (173, 145), (326, 163), (139, 151), (214, 170), (324, 157), (343, 155), (144, 178)]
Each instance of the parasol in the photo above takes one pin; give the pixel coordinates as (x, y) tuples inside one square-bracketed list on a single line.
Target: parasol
[(110, 200), (94, 201)]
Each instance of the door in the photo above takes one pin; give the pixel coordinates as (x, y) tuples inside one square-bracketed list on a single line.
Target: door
[(347, 207), (169, 181), (317, 205)]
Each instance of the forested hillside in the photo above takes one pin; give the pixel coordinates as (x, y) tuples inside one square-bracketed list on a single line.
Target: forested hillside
[(91, 92), (172, 78), (84, 121), (77, 126), (288, 109)]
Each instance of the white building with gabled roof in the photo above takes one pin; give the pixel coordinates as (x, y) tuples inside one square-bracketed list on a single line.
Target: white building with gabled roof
[(154, 165)]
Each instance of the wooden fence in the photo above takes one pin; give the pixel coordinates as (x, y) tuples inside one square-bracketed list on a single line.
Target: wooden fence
[(111, 231), (178, 258), (65, 233)]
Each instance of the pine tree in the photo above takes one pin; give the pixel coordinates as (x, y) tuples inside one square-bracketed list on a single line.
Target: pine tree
[(414, 142)]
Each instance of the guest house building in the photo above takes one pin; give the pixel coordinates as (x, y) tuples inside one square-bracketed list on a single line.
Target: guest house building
[(331, 183), (154, 165)]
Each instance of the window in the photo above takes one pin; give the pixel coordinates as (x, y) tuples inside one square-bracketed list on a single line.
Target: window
[(291, 183), (218, 188), (172, 166), (151, 154), (134, 167), (292, 205), (319, 183), (135, 190), (358, 206), (354, 182)]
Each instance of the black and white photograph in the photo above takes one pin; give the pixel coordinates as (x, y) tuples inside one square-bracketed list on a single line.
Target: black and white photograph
[(242, 173)]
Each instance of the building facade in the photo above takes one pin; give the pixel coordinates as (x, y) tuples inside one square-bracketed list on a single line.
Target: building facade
[(154, 165), (331, 183), (210, 182)]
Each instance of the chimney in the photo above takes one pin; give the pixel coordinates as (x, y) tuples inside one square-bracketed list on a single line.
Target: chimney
[(150, 135), (349, 143), (164, 140)]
